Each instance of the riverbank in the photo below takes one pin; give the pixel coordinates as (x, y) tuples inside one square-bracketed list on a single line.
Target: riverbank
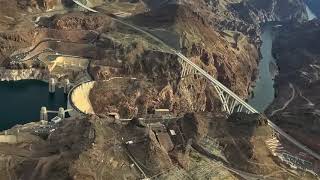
[(296, 106)]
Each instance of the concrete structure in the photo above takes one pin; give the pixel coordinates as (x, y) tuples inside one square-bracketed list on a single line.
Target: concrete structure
[(43, 122), (115, 115), (79, 97), (56, 119), (61, 113), (294, 161), (230, 101), (43, 114), (160, 112), (157, 127), (186, 69), (52, 85), (66, 86)]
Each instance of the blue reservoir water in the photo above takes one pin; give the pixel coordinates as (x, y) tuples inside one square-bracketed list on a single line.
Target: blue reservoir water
[(21, 101)]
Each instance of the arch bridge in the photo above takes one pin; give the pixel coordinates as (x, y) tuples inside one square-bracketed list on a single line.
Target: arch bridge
[(230, 101)]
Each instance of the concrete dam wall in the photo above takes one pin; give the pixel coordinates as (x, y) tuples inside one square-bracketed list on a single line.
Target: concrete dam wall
[(80, 97)]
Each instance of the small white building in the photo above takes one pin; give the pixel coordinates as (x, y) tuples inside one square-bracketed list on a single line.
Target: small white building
[(161, 112), (56, 119)]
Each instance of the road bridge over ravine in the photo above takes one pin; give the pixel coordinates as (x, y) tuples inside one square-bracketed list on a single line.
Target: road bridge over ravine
[(230, 101)]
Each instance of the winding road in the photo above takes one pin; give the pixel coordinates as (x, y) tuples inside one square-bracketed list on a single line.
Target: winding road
[(21, 56), (286, 103), (309, 103), (213, 81)]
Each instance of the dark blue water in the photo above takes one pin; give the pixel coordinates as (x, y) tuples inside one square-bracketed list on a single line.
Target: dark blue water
[(21, 101), (264, 90)]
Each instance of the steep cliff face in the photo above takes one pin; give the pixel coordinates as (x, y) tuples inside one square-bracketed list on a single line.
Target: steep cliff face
[(230, 56), (240, 15), (296, 107), (258, 11), (223, 54), (219, 36), (203, 30), (77, 20), (243, 141), (22, 74), (55, 152)]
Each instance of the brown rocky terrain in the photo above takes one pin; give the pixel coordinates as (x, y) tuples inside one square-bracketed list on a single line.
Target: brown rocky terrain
[(218, 55), (297, 55), (95, 148), (229, 56), (222, 37), (43, 156), (244, 16), (242, 139), (233, 63)]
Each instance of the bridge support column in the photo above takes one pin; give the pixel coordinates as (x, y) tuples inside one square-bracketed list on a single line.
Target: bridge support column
[(233, 105), (240, 107), (66, 87), (61, 113), (183, 71), (43, 114), (222, 99), (52, 85)]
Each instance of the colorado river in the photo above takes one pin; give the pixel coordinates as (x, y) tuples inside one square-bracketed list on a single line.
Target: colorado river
[(264, 90), (21, 101)]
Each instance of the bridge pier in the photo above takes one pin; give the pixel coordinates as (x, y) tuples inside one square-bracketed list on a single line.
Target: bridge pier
[(61, 113), (52, 85), (183, 70), (240, 107), (219, 87), (43, 114), (233, 105)]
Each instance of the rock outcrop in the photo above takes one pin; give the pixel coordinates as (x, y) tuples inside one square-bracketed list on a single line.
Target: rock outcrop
[(297, 55), (51, 155), (194, 127), (220, 36), (22, 74)]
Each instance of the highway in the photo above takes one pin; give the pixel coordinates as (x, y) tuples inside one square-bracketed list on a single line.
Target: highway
[(286, 103), (48, 51), (22, 55), (309, 103), (214, 83)]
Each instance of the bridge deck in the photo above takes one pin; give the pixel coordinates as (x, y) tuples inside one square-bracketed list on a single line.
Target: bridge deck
[(215, 83)]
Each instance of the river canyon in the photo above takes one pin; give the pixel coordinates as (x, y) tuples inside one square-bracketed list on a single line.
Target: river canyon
[(141, 110)]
